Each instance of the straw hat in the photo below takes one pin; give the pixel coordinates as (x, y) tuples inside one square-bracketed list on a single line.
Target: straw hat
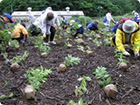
[(129, 26)]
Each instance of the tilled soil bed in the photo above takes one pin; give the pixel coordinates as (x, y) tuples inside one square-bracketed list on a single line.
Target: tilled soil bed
[(59, 87)]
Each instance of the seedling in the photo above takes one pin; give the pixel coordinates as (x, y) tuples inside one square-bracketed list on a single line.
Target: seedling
[(19, 59), (37, 76), (13, 43), (96, 42), (120, 57), (79, 90), (80, 102), (42, 47), (103, 75), (81, 48), (107, 41), (5, 96), (70, 61)]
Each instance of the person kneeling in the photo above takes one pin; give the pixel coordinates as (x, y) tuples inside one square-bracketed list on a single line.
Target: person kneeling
[(19, 32), (127, 33)]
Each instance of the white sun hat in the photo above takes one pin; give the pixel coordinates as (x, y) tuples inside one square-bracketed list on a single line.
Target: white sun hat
[(129, 26), (133, 12), (71, 22)]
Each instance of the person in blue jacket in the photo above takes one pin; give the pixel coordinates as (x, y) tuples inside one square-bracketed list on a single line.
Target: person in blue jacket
[(77, 28), (92, 26)]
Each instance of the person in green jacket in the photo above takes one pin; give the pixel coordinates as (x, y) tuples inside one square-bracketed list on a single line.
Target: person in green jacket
[(127, 33)]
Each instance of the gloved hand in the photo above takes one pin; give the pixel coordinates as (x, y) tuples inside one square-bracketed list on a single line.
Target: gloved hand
[(9, 32), (126, 53), (136, 54)]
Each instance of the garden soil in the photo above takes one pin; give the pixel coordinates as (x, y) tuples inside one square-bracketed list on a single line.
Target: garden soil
[(59, 88)]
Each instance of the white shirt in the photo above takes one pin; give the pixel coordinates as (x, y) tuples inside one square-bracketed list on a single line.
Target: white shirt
[(46, 25), (109, 17)]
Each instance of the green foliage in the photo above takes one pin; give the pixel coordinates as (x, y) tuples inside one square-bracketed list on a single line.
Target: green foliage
[(89, 7), (81, 48), (13, 43), (120, 57), (79, 40), (107, 41), (70, 61), (40, 45), (5, 37), (37, 76), (79, 90), (19, 59), (96, 42), (5, 96), (103, 75), (80, 102)]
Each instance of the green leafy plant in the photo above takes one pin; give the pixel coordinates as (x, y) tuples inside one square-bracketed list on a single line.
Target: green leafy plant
[(19, 59), (81, 48), (42, 47), (37, 76), (70, 61), (135, 46), (120, 57), (13, 43), (5, 37), (107, 41), (80, 102), (5, 96), (103, 75), (79, 90), (96, 42)]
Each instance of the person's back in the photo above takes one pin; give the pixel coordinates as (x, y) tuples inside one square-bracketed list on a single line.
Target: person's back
[(19, 32)]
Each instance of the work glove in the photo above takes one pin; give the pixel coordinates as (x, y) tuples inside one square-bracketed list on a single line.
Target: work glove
[(136, 54), (9, 32), (126, 53)]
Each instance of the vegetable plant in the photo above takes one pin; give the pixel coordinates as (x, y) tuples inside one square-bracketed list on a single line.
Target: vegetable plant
[(79, 91), (80, 102), (19, 59), (37, 76), (103, 75), (120, 57), (5, 96), (70, 61), (5, 37), (96, 42)]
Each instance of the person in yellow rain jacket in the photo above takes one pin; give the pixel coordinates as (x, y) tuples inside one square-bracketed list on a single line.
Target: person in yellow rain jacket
[(20, 32), (127, 33)]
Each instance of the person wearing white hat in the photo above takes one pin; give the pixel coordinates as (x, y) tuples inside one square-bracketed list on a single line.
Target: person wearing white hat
[(127, 33), (136, 16)]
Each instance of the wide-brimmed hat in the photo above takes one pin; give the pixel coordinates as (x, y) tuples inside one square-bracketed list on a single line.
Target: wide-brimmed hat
[(129, 26), (9, 17), (71, 22), (133, 12)]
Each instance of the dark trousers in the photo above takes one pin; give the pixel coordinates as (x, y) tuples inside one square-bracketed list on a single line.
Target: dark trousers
[(19, 38), (52, 30), (34, 30)]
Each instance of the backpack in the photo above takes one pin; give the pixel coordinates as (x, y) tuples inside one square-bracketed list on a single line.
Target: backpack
[(104, 19)]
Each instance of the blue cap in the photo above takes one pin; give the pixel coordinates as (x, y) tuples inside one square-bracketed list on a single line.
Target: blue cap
[(9, 17)]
